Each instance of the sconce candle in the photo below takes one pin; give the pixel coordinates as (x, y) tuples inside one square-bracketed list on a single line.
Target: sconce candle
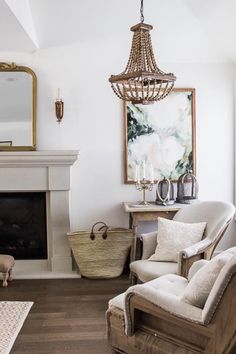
[(59, 107), (58, 94)]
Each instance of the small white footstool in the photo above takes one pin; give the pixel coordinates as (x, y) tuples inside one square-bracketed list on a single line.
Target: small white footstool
[(6, 264)]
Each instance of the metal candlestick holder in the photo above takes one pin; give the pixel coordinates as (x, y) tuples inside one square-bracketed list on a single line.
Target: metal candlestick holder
[(144, 185)]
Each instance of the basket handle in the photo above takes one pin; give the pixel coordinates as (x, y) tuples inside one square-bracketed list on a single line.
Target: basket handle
[(104, 226)]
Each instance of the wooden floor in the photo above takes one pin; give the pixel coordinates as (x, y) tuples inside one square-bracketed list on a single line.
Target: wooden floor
[(68, 316)]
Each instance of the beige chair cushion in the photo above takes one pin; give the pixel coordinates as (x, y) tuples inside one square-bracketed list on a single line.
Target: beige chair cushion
[(200, 285), (170, 283), (147, 270), (6, 263), (164, 292), (174, 236)]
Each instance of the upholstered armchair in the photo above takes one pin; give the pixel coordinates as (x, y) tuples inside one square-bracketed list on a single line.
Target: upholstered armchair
[(172, 314), (217, 216)]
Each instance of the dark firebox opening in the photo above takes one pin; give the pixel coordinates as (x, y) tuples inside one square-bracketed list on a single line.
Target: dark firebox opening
[(23, 231)]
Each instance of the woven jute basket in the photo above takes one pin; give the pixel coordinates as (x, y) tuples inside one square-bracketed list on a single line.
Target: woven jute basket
[(101, 253)]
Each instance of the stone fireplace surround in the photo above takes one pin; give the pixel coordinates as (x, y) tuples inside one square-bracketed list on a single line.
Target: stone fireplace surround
[(44, 171)]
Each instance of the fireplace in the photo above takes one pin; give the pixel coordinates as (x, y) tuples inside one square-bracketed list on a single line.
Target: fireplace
[(23, 229), (45, 176)]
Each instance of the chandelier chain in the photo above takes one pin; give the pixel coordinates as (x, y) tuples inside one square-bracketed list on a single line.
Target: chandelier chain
[(141, 12)]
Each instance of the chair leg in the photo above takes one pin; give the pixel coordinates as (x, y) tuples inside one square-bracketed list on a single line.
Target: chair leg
[(9, 273), (133, 279), (5, 278)]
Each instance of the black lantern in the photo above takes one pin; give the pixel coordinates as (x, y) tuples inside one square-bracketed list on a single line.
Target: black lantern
[(165, 192), (187, 188)]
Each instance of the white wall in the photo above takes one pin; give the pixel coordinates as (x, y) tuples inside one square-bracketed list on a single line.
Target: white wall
[(93, 123)]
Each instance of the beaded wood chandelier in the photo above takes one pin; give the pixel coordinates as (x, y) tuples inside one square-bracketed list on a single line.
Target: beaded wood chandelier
[(142, 82)]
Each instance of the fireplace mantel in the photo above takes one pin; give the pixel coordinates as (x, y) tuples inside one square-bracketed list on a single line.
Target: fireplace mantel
[(41, 158), (47, 171)]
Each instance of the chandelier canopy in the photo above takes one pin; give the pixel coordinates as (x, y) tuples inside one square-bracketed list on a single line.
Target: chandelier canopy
[(142, 82)]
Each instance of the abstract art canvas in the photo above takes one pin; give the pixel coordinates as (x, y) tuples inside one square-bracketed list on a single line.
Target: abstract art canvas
[(160, 138)]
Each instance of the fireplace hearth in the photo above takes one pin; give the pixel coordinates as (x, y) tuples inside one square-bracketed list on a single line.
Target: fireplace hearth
[(23, 229)]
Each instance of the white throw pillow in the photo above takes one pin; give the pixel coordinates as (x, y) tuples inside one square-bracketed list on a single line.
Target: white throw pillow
[(174, 236), (200, 285), (195, 267)]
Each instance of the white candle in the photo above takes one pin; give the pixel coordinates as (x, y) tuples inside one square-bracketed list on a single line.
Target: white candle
[(144, 169), (151, 174), (138, 174), (58, 94)]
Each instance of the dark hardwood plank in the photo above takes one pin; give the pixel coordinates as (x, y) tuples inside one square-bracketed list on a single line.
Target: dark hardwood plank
[(68, 315)]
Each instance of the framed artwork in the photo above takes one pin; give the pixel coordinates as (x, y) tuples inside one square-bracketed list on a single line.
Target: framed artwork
[(160, 138)]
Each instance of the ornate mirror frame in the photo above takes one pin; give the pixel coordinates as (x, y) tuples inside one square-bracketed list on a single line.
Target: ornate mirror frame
[(12, 67)]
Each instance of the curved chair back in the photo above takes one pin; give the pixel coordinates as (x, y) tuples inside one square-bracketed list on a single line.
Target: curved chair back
[(226, 276), (216, 214)]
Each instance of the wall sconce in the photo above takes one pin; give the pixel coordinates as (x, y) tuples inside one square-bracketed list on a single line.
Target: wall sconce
[(59, 107)]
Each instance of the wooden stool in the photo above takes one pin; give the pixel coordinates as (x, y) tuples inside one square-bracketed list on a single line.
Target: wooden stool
[(6, 264)]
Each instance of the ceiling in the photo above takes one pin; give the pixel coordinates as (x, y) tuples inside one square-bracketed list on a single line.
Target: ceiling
[(184, 30)]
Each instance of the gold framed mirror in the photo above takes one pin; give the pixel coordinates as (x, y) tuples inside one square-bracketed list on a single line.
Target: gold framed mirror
[(18, 86)]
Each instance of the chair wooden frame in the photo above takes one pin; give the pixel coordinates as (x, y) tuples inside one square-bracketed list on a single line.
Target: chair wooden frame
[(155, 331), (202, 252)]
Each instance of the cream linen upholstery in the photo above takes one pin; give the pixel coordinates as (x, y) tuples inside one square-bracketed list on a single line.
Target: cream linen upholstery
[(148, 270), (217, 216), (200, 285), (118, 301), (153, 318), (166, 292), (6, 264), (169, 284), (195, 267), (215, 213), (217, 292)]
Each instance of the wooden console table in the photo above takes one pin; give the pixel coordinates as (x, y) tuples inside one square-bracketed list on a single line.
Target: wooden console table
[(150, 212)]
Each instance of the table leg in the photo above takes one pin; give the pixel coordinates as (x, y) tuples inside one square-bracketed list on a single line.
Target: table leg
[(134, 242), (130, 221), (133, 225)]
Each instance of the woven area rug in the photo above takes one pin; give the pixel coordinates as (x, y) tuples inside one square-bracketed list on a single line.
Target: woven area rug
[(12, 317)]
